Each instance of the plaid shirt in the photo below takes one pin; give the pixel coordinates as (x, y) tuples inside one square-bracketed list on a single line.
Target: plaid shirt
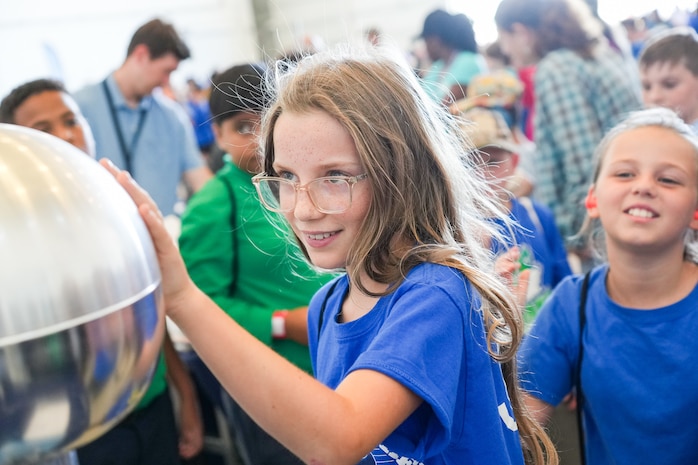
[(577, 101)]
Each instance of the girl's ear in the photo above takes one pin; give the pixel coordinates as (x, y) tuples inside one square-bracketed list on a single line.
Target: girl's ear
[(590, 203)]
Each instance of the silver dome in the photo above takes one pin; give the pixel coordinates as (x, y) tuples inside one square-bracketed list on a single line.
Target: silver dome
[(81, 314)]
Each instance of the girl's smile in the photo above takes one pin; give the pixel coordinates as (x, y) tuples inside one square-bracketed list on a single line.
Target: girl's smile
[(646, 192)]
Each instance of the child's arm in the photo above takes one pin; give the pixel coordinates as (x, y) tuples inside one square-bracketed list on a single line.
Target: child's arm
[(541, 411), (318, 424), (191, 429), (508, 267)]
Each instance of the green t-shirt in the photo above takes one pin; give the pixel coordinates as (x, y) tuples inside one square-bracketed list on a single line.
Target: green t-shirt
[(157, 385)]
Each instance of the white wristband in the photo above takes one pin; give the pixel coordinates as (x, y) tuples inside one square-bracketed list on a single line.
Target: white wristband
[(278, 324)]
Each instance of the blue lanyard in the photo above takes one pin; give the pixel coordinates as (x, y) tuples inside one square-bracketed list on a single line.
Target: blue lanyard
[(127, 152)]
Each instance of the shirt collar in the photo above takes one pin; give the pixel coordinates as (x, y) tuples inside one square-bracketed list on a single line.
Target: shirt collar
[(120, 101)]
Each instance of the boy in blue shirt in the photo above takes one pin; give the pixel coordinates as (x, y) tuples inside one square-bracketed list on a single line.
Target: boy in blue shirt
[(536, 243)]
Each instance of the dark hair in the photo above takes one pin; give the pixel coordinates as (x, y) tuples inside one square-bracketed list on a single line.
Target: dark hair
[(161, 38), (237, 89), (19, 94), (558, 24), (454, 30), (494, 51), (677, 45)]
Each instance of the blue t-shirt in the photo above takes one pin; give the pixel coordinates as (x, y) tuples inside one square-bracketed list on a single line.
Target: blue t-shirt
[(539, 237), (200, 114), (639, 372), (544, 240), (165, 149), (427, 334)]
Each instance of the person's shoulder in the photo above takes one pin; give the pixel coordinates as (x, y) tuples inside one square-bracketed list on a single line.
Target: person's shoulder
[(435, 276), (468, 56), (214, 188), (562, 56), (173, 113), (542, 210), (571, 286), (87, 94), (168, 105), (335, 286)]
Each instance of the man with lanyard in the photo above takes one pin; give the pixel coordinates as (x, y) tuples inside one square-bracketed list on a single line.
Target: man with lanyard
[(150, 136), (143, 131)]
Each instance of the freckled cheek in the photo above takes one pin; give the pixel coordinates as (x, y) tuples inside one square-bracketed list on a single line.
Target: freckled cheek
[(361, 201), (288, 216)]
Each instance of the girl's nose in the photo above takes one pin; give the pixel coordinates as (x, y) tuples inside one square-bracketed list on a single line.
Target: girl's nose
[(305, 208), (644, 186)]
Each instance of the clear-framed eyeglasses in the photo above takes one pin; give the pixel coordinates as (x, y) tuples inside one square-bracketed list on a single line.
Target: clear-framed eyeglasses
[(329, 194)]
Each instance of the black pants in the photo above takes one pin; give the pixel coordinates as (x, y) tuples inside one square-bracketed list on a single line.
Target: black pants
[(147, 436)]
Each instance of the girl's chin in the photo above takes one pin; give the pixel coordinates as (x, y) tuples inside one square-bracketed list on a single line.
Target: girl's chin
[(326, 263), (328, 266)]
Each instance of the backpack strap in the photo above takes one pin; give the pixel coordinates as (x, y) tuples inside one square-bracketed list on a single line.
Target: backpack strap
[(235, 268), (578, 377), (321, 317)]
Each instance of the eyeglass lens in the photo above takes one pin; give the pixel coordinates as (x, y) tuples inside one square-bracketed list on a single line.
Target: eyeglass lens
[(328, 195)]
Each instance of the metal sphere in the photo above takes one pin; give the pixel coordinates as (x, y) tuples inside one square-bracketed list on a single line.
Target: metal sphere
[(81, 314)]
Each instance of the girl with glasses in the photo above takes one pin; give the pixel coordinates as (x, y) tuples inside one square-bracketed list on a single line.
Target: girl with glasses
[(413, 345)]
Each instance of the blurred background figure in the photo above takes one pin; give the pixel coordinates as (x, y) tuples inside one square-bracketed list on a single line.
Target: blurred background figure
[(536, 243), (373, 35), (45, 105), (582, 88), (669, 73), (453, 52), (495, 59), (141, 130), (501, 91), (636, 31), (196, 104)]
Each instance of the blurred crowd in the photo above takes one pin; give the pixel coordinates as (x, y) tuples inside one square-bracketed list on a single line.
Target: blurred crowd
[(534, 106)]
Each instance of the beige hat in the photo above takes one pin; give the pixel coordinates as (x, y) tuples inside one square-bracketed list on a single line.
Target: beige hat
[(487, 128), (499, 88)]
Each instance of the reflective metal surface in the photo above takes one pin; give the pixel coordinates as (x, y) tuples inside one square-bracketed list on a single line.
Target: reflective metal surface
[(81, 315)]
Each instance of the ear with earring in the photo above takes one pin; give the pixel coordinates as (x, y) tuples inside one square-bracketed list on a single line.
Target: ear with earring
[(590, 204)]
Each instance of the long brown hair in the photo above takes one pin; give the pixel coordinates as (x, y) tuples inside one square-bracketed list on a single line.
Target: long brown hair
[(426, 194)]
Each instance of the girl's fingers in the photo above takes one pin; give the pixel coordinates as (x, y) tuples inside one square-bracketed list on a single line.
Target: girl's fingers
[(521, 289), (507, 263), (109, 166), (153, 221)]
